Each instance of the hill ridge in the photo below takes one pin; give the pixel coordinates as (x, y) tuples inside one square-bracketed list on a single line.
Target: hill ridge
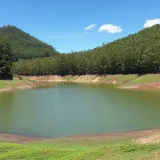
[(24, 45)]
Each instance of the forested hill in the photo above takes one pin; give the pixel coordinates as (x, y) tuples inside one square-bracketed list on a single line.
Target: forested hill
[(146, 38), (25, 46), (135, 54)]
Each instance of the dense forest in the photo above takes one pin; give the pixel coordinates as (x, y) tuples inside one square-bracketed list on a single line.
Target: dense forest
[(25, 46), (5, 59), (136, 54)]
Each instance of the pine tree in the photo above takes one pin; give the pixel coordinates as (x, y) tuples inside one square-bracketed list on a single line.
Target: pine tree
[(5, 59)]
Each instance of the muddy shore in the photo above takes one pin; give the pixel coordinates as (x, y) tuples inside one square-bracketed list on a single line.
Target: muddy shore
[(143, 137)]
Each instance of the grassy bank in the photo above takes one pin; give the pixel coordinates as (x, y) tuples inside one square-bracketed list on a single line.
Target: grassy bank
[(123, 81), (93, 148), (17, 83)]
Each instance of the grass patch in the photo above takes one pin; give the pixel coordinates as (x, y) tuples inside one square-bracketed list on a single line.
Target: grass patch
[(120, 78), (144, 79), (9, 84), (69, 78), (70, 151), (15, 83)]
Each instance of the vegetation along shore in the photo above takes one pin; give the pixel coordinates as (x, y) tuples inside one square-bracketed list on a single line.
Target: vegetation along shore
[(149, 81)]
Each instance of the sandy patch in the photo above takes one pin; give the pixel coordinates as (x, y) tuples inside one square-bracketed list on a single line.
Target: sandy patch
[(53, 78), (86, 79), (152, 139)]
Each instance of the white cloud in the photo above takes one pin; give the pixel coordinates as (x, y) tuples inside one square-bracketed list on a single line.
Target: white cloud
[(91, 26), (151, 22), (110, 28)]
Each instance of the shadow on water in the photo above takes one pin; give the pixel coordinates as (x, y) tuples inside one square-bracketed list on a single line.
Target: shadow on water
[(7, 100)]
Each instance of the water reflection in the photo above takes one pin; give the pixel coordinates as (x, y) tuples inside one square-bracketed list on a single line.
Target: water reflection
[(7, 100)]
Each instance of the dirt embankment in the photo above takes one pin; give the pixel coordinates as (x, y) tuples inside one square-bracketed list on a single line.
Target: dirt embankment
[(18, 139), (143, 86), (140, 137), (41, 79), (121, 80), (75, 79), (97, 79)]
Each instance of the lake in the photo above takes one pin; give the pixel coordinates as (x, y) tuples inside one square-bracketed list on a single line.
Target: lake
[(72, 109)]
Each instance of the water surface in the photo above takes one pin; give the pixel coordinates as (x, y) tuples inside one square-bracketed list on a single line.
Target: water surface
[(71, 109)]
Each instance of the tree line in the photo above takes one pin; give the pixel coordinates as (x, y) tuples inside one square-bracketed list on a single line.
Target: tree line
[(136, 54), (5, 59)]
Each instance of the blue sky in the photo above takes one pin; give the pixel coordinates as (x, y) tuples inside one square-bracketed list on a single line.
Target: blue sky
[(62, 23)]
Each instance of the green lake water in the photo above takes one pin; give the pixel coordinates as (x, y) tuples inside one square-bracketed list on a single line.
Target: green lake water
[(73, 109)]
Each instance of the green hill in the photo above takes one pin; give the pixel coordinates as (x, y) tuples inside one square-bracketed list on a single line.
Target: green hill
[(136, 54), (25, 46)]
